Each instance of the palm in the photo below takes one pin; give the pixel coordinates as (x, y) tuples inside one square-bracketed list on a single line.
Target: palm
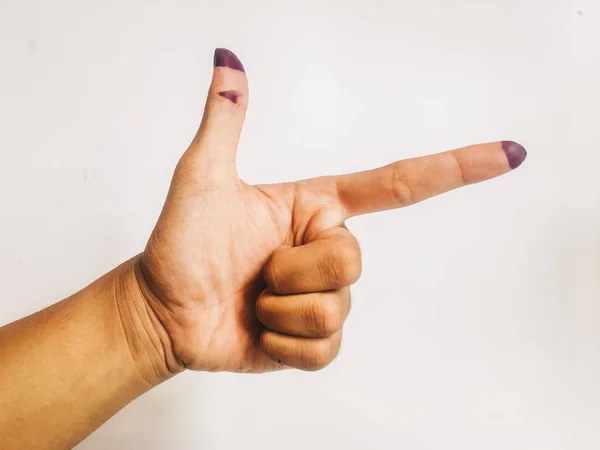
[(213, 284)]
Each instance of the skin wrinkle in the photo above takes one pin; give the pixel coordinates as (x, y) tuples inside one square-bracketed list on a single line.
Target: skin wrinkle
[(127, 337), (461, 172), (168, 349), (276, 211), (401, 186)]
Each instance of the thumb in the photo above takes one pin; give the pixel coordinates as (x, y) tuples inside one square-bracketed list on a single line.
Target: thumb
[(219, 133)]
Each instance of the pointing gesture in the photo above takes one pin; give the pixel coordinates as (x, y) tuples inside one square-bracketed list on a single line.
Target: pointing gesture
[(233, 278), (255, 278)]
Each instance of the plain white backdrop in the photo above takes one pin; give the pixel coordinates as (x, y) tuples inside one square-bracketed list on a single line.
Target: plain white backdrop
[(476, 324)]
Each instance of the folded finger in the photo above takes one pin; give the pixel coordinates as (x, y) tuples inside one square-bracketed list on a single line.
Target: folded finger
[(301, 353), (332, 261), (317, 315)]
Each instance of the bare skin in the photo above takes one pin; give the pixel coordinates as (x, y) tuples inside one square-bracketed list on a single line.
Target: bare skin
[(234, 278)]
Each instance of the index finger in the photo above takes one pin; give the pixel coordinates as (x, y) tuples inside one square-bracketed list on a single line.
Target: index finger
[(412, 180)]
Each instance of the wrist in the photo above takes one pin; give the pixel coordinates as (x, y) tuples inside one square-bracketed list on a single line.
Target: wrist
[(148, 340)]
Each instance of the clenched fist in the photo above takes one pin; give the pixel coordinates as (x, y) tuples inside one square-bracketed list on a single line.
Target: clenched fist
[(256, 278)]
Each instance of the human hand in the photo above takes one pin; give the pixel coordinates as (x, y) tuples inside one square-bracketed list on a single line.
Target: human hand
[(256, 278)]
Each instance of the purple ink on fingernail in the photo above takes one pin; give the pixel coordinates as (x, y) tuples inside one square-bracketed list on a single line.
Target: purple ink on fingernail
[(515, 153), (230, 95), (226, 58)]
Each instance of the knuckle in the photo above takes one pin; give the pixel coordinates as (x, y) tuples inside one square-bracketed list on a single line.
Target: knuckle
[(401, 185), (348, 267), (317, 356), (460, 169), (313, 317), (323, 316), (332, 317)]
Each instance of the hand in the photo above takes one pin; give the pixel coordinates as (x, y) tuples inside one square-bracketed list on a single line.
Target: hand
[(255, 278)]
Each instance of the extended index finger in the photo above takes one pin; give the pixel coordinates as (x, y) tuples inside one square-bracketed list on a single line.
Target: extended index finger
[(413, 180)]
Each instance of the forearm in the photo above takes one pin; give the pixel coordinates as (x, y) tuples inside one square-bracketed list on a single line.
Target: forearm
[(67, 369)]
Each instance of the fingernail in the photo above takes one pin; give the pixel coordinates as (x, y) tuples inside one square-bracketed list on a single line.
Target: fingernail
[(226, 58), (515, 153)]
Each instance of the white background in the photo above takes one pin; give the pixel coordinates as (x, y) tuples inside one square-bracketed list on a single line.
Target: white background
[(476, 324)]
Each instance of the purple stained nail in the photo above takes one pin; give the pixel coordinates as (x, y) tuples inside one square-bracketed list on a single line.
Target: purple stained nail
[(230, 95), (515, 153), (226, 58)]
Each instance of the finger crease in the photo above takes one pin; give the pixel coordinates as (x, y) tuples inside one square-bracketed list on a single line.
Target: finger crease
[(401, 187), (461, 172)]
